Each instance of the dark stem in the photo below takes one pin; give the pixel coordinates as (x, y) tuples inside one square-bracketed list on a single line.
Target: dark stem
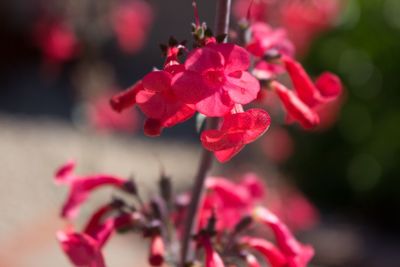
[(187, 249)]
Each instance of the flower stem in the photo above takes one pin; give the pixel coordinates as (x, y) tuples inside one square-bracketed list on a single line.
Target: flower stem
[(221, 27)]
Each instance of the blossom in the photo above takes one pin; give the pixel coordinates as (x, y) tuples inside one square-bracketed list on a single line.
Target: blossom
[(327, 87), (264, 38), (215, 79), (81, 187), (297, 110), (157, 251), (297, 254), (131, 21), (236, 131), (230, 200), (160, 104), (256, 9), (84, 249), (57, 40), (103, 118), (126, 99)]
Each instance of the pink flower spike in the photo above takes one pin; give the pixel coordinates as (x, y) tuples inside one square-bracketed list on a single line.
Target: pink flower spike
[(236, 131), (269, 251), (81, 249), (295, 108), (157, 251), (127, 98), (297, 254)]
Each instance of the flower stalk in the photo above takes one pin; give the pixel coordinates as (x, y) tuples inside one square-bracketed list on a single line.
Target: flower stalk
[(221, 28)]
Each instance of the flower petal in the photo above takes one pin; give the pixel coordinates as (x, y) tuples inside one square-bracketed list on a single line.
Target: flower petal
[(215, 105), (242, 90), (202, 59), (236, 57), (190, 87), (127, 98), (329, 86), (157, 81)]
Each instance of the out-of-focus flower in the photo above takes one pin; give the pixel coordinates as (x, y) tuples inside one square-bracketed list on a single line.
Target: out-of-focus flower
[(216, 78), (131, 21), (236, 131), (278, 145), (81, 187), (103, 118), (56, 40), (296, 254), (157, 251), (212, 258), (267, 249)]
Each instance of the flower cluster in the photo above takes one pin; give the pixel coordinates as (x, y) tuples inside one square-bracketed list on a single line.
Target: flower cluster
[(229, 215)]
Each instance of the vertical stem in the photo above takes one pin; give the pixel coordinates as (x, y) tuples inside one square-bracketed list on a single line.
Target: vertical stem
[(221, 27)]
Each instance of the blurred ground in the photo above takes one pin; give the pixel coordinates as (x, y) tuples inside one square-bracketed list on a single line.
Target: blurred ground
[(31, 149)]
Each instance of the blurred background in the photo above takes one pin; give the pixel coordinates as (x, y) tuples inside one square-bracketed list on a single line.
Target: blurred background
[(60, 61)]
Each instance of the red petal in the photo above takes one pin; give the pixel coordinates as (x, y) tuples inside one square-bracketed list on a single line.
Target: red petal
[(227, 154), (271, 253), (295, 107), (236, 57), (127, 98), (152, 127), (329, 86), (157, 81), (202, 59), (190, 87), (244, 89), (215, 105)]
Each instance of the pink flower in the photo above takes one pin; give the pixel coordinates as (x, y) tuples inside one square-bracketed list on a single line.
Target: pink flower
[(215, 78), (296, 109), (56, 40), (131, 21), (231, 201), (103, 118), (267, 249), (84, 249), (297, 254), (256, 9), (327, 87), (157, 251), (81, 187), (160, 104), (236, 131), (264, 38), (81, 249)]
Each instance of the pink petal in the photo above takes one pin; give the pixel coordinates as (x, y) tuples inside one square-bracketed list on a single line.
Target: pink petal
[(242, 90), (190, 87), (202, 59), (297, 109), (329, 86), (227, 154), (216, 105), (157, 251), (236, 57), (157, 81), (268, 250), (81, 249), (64, 174), (127, 98)]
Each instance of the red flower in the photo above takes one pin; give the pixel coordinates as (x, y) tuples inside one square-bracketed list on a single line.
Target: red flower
[(81, 187), (269, 251), (236, 131), (84, 249), (327, 88), (56, 40), (157, 251), (264, 38), (297, 254), (215, 78), (160, 104), (297, 110), (131, 22)]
